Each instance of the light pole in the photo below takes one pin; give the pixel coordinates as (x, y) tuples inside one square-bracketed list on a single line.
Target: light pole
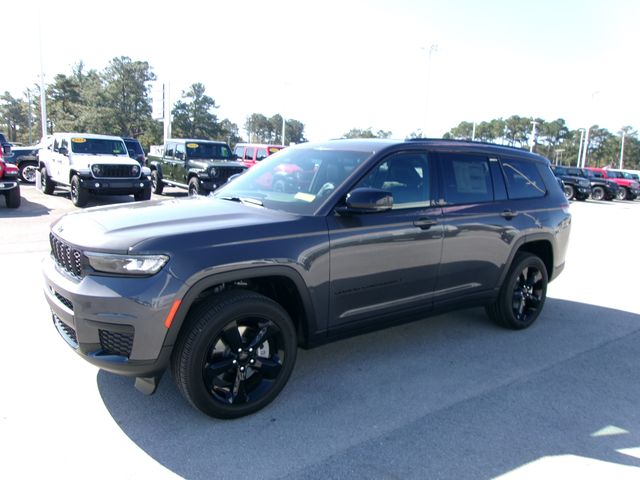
[(473, 132), (43, 96), (580, 148), (433, 48), (586, 147), (533, 136), (622, 151), (559, 151)]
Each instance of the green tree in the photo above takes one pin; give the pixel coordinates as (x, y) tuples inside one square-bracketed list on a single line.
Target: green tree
[(295, 132), (13, 116), (193, 116), (229, 132), (126, 96), (368, 133)]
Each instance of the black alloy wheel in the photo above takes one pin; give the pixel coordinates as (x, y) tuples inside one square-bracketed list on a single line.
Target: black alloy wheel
[(523, 293), (156, 183), (236, 354), (79, 196), (46, 184)]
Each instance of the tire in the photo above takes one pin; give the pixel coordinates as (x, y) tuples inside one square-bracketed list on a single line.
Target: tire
[(12, 198), (143, 195), (622, 194), (569, 192), (522, 294), (156, 182), (79, 196), (225, 338), (194, 187), (597, 193), (46, 184), (28, 172)]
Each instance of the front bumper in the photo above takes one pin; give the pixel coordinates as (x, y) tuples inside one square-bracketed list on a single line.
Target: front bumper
[(114, 323), (115, 186), (6, 185)]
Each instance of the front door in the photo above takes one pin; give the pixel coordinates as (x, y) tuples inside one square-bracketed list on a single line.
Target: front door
[(386, 262)]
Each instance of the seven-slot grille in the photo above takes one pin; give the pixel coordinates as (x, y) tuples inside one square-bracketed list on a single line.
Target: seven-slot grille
[(67, 332), (224, 173), (66, 257), (115, 171)]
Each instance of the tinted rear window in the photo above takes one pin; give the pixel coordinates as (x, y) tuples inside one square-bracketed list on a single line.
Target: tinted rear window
[(523, 179)]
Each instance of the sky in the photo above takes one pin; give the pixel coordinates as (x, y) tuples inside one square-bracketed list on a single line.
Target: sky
[(393, 65)]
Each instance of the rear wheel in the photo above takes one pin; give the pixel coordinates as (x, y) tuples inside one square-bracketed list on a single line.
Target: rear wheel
[(79, 195), (522, 294), (235, 354), (46, 184), (597, 193), (156, 182), (28, 172), (12, 198)]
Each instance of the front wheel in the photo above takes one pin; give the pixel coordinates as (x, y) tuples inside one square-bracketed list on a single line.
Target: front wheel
[(156, 183), (28, 172), (522, 294), (12, 198), (569, 192), (143, 195), (194, 187), (235, 354), (79, 195), (46, 183), (622, 193)]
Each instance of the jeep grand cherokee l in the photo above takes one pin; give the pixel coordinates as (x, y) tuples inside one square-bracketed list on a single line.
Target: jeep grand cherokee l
[(315, 242)]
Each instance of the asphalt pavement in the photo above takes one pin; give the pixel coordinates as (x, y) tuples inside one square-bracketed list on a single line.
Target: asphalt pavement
[(448, 397)]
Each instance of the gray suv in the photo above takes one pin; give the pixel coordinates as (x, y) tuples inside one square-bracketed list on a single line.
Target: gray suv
[(316, 242)]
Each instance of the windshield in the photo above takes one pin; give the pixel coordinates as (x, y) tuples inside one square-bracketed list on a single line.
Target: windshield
[(207, 150), (98, 146), (295, 180)]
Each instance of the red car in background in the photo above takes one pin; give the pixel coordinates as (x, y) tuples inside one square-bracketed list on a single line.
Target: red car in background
[(251, 153), (629, 188), (9, 186)]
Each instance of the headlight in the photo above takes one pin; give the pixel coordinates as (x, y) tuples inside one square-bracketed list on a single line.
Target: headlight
[(96, 170), (135, 170), (126, 264)]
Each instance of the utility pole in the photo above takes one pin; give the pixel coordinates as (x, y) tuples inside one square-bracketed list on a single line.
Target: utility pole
[(580, 149), (30, 129), (586, 147), (622, 151), (473, 132), (43, 92), (533, 135), (433, 48), (283, 129)]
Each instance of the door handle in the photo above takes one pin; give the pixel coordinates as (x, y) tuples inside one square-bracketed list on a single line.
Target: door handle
[(425, 223), (508, 214)]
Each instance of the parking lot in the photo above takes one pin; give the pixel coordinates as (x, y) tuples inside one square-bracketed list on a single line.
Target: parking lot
[(449, 397)]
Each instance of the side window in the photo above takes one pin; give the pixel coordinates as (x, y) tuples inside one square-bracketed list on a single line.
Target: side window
[(406, 176), (64, 144), (248, 153), (170, 150), (239, 152), (180, 152), (523, 179), (466, 178), (262, 154), (56, 145)]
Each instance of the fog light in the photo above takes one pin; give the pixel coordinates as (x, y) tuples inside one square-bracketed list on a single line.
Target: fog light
[(97, 185), (141, 185)]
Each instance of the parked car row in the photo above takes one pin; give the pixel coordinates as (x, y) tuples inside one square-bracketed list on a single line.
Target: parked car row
[(597, 183)]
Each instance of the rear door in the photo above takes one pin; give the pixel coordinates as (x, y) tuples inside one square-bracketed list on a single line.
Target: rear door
[(480, 224), (387, 262)]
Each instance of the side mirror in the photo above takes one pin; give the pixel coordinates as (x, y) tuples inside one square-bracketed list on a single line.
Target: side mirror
[(63, 151), (367, 200)]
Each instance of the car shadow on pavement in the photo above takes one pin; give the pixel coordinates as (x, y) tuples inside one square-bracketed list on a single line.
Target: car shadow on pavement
[(452, 396), (26, 209)]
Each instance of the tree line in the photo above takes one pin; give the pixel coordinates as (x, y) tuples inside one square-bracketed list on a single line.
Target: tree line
[(117, 101), (555, 140)]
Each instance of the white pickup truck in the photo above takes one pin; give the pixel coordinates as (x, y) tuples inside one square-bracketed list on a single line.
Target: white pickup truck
[(91, 164)]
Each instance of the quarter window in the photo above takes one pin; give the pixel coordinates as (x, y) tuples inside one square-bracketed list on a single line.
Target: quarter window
[(466, 178), (262, 154), (523, 179), (248, 153)]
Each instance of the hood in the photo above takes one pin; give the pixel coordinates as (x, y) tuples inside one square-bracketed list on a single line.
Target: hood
[(121, 227)]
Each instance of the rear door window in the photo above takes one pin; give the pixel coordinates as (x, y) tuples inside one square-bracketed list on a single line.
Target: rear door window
[(466, 178)]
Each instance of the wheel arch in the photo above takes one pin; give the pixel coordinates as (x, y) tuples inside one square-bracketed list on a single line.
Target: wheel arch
[(281, 284), (539, 245)]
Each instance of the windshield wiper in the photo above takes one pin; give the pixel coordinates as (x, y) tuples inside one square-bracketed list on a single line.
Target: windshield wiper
[(244, 200)]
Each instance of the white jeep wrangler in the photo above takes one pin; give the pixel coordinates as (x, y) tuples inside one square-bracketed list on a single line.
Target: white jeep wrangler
[(91, 164)]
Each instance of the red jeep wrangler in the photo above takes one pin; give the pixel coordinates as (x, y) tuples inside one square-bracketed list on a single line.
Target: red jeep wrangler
[(629, 188), (9, 186)]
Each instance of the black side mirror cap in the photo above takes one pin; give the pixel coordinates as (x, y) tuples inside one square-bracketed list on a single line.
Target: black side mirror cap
[(366, 200)]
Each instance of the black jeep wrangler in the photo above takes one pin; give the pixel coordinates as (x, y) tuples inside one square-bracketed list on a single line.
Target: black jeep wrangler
[(201, 166)]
